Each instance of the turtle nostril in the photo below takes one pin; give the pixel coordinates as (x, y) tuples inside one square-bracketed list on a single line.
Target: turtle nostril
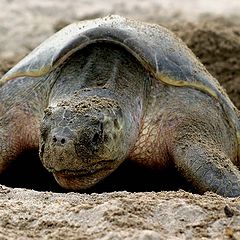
[(55, 140)]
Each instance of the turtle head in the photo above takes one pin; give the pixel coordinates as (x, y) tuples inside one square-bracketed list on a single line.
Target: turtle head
[(84, 140)]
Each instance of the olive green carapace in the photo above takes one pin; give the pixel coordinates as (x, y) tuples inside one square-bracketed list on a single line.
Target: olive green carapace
[(102, 91)]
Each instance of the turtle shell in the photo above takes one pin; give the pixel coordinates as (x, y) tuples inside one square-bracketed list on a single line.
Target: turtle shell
[(164, 55)]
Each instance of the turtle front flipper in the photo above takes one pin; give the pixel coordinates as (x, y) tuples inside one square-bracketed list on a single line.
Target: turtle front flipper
[(208, 168), (18, 132)]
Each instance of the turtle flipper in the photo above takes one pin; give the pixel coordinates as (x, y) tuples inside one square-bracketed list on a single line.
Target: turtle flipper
[(208, 168), (8, 149), (18, 132)]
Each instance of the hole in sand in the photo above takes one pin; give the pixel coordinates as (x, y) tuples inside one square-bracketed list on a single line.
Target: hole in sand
[(28, 172)]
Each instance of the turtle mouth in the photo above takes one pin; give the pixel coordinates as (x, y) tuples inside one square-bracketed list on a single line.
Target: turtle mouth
[(86, 177), (87, 170), (90, 170)]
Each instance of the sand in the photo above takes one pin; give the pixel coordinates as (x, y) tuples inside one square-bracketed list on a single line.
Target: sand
[(212, 30), (27, 214)]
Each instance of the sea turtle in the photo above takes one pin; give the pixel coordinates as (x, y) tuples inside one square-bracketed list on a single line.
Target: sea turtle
[(101, 91)]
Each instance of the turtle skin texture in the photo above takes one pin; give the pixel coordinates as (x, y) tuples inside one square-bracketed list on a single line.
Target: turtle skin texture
[(101, 106)]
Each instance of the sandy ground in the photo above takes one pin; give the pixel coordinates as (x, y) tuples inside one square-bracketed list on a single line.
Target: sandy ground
[(29, 214), (212, 30)]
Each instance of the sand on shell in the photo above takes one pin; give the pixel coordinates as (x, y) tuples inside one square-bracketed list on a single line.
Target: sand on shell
[(212, 30)]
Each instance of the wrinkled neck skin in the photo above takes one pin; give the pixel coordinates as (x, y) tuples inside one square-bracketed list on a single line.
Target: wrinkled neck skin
[(94, 115)]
